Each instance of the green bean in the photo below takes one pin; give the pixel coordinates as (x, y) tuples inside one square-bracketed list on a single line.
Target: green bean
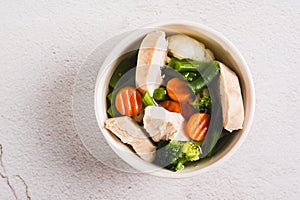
[(148, 100), (186, 65), (160, 94)]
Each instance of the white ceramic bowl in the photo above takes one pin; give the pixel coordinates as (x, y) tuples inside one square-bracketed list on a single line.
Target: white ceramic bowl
[(224, 51)]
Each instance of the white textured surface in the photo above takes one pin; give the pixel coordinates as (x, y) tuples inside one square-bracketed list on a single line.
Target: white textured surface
[(43, 45)]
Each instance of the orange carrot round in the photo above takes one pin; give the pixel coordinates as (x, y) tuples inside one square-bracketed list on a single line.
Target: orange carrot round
[(178, 90), (128, 101), (197, 126), (171, 106)]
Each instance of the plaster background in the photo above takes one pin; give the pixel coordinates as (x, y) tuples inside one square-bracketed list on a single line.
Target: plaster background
[(43, 44)]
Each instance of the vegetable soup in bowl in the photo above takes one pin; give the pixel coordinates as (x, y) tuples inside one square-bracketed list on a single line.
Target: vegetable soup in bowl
[(174, 99)]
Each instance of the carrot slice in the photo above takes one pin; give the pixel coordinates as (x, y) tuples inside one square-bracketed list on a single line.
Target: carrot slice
[(178, 90), (171, 106), (197, 126), (128, 101)]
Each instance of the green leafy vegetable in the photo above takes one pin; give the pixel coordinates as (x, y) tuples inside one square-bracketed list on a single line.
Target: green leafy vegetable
[(220, 143), (128, 61), (126, 80), (206, 77), (109, 97), (110, 112), (216, 119), (190, 76)]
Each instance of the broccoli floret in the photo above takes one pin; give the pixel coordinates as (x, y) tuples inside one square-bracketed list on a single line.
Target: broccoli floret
[(174, 154), (204, 104)]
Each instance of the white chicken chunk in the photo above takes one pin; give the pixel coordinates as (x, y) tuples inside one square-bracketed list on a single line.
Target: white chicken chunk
[(181, 135), (231, 99), (151, 57), (182, 46), (162, 124), (130, 133)]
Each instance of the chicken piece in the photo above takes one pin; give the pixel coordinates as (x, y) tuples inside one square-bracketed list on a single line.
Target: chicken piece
[(182, 46), (151, 57), (131, 133), (162, 124), (231, 99), (181, 135)]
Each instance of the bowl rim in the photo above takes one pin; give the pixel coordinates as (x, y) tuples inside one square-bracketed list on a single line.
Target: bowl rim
[(142, 165)]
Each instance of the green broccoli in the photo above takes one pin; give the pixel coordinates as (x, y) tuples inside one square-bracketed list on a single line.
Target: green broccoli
[(174, 154), (204, 104)]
